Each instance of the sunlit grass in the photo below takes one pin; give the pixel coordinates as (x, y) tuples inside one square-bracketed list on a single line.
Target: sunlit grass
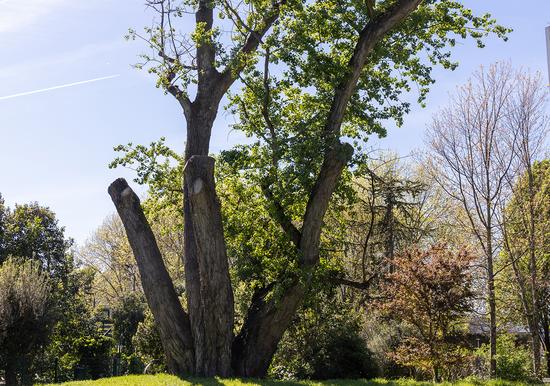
[(170, 380)]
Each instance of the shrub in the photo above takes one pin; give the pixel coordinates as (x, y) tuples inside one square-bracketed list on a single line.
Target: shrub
[(513, 359), (94, 353), (324, 344), (148, 346), (126, 317), (25, 316), (131, 364)]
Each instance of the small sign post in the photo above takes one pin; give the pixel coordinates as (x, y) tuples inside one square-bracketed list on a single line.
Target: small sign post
[(548, 51)]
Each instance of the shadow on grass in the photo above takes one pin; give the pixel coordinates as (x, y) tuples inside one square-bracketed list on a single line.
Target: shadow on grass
[(271, 382), (348, 382)]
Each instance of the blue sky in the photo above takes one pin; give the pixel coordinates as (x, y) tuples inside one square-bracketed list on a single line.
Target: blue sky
[(55, 145)]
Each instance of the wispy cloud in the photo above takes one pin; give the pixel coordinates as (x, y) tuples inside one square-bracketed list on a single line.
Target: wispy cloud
[(57, 87), (39, 66), (17, 14)]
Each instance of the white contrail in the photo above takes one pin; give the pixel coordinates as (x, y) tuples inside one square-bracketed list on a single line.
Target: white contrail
[(58, 87)]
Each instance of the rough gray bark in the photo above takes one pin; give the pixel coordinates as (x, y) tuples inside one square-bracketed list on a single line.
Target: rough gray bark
[(263, 329), (213, 357), (171, 319), (207, 336)]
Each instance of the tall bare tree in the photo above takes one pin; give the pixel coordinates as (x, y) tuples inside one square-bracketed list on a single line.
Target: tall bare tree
[(474, 152)]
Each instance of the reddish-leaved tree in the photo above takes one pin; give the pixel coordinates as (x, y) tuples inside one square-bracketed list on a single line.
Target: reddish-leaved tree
[(430, 291)]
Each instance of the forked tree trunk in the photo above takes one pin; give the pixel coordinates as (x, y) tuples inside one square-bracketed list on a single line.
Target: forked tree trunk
[(208, 285)]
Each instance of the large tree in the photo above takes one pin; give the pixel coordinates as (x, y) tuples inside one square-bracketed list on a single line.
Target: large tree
[(315, 76)]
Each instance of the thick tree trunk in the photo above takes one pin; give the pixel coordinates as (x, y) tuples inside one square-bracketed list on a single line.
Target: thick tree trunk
[(171, 319), (10, 373), (213, 354), (208, 286), (266, 321), (263, 329)]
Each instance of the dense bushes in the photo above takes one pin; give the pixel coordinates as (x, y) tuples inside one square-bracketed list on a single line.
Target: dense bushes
[(147, 344), (126, 317), (94, 357), (324, 344), (25, 317), (513, 359)]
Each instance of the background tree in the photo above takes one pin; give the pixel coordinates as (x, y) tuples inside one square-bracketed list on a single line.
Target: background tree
[(525, 278), (116, 289), (526, 116), (474, 153), (126, 318), (350, 65), (431, 291), (148, 345), (25, 316), (108, 254), (76, 325), (32, 232), (387, 216)]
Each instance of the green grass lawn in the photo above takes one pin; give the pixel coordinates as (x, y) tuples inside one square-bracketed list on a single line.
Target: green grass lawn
[(170, 380)]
